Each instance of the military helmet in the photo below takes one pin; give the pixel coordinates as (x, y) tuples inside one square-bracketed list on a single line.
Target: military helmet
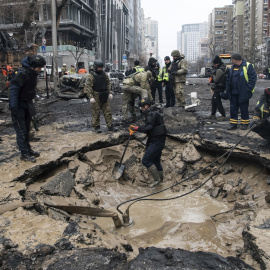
[(98, 63), (175, 53), (145, 101), (64, 65), (36, 61)]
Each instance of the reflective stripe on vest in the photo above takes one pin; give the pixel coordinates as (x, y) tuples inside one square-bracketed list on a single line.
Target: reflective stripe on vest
[(139, 69), (165, 74), (159, 77), (245, 68), (262, 110)]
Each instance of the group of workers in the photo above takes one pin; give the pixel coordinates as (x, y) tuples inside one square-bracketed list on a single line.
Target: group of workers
[(72, 70), (237, 85)]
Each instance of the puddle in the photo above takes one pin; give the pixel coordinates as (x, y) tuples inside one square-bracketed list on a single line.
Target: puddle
[(152, 215)]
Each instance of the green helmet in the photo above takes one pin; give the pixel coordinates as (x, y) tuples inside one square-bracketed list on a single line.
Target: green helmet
[(175, 53)]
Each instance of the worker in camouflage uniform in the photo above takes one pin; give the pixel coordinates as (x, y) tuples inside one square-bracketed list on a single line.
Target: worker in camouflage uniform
[(64, 70), (98, 89), (178, 71), (137, 84)]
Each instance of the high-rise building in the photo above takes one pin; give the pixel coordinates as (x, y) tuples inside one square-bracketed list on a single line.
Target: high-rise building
[(151, 37), (220, 30), (189, 39)]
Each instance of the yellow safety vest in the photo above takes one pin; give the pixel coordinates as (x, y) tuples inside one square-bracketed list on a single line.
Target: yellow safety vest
[(263, 110), (159, 77), (139, 69), (245, 68), (165, 74)]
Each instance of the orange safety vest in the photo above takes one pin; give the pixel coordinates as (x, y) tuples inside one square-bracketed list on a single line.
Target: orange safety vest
[(7, 71), (82, 71)]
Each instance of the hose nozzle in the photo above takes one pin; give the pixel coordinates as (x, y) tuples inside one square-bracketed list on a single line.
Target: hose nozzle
[(127, 220)]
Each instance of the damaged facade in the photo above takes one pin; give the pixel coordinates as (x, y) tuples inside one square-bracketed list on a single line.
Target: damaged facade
[(109, 30)]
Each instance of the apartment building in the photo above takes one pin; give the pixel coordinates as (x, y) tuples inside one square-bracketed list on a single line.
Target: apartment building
[(94, 29), (151, 38), (220, 30), (190, 38)]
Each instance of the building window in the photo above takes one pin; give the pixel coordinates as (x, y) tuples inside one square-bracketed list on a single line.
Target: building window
[(265, 1), (265, 16), (265, 24), (219, 12)]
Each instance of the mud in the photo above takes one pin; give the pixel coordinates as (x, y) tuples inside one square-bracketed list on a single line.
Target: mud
[(228, 216)]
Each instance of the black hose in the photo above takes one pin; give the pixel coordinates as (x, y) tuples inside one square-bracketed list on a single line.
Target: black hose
[(229, 152)]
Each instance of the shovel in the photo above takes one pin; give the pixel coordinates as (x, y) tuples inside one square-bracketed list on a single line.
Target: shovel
[(119, 167)]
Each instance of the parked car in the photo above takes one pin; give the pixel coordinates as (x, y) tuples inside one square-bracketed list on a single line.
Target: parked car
[(118, 74), (114, 81)]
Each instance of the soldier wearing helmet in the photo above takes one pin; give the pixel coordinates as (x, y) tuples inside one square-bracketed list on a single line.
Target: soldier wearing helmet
[(22, 93), (98, 89), (261, 118), (135, 85), (156, 132), (178, 71), (64, 69)]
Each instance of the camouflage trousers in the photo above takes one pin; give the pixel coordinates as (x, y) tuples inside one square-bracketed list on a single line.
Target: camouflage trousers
[(105, 108), (178, 89), (129, 95)]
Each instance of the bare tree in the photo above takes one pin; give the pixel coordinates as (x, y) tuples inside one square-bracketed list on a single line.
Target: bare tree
[(77, 55)]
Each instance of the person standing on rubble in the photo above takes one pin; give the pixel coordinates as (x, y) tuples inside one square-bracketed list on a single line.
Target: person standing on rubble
[(240, 85), (168, 83), (156, 132), (22, 93), (261, 118), (178, 71), (218, 75), (98, 89)]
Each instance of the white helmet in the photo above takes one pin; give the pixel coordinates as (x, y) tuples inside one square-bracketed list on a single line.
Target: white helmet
[(64, 65)]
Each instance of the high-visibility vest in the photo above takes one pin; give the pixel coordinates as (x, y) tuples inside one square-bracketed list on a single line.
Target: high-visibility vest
[(159, 77), (245, 68), (139, 69), (72, 70), (165, 74), (262, 109)]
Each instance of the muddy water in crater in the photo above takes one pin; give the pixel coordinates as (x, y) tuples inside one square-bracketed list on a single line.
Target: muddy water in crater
[(161, 223)]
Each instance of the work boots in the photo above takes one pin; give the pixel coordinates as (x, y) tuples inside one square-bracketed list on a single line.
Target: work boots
[(33, 153), (27, 157), (156, 175), (112, 128), (97, 129)]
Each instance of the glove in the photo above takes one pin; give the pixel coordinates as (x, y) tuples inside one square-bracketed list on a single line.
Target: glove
[(92, 100), (173, 73), (14, 114), (254, 122), (110, 96), (134, 128)]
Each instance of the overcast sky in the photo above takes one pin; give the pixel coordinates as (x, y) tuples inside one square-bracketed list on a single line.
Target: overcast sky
[(172, 14)]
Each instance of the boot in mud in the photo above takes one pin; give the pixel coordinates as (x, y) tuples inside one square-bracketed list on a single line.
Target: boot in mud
[(27, 157), (112, 128), (155, 174), (33, 153), (161, 175), (97, 129)]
